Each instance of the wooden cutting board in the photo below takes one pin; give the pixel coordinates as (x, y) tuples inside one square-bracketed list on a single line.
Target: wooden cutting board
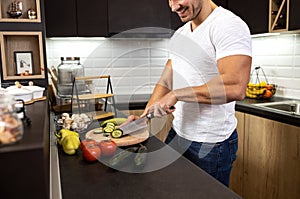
[(127, 140)]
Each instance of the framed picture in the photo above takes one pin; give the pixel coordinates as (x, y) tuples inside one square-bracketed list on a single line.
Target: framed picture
[(24, 62)]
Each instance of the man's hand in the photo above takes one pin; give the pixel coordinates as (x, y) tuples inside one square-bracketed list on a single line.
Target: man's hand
[(162, 107)]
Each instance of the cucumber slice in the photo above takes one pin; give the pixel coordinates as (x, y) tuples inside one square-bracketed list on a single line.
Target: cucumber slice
[(108, 129), (117, 133), (110, 124)]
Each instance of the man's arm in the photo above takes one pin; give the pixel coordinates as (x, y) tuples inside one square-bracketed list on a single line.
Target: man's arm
[(229, 86), (163, 86)]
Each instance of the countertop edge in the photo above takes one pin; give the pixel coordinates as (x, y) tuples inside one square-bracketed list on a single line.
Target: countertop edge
[(136, 102)]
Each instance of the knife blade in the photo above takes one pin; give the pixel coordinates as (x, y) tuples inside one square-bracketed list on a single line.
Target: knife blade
[(136, 125)]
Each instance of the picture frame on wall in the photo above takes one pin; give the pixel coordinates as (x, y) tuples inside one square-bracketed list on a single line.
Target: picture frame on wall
[(24, 62)]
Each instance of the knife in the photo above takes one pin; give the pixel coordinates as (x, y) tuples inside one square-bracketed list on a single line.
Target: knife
[(136, 124)]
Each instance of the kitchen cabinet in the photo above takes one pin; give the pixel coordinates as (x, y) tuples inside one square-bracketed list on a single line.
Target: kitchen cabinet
[(25, 166), (105, 18), (294, 15), (223, 3), (254, 13), (22, 42), (284, 15), (131, 14), (268, 162), (71, 18)]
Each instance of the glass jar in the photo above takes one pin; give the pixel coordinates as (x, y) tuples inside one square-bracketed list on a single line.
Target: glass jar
[(11, 127), (68, 69)]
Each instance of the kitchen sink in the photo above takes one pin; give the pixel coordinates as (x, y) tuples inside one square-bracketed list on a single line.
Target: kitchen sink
[(288, 106)]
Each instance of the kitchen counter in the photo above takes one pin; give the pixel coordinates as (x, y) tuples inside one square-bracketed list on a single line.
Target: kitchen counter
[(25, 164), (124, 102), (247, 106), (181, 179)]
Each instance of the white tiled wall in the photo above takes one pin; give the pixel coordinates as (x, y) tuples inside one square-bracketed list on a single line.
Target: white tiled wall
[(279, 56), (136, 64)]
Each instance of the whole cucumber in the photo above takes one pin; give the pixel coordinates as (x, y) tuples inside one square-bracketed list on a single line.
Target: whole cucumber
[(121, 158), (141, 156)]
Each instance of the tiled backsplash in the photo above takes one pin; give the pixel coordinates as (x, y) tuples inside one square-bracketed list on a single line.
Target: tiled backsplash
[(136, 64)]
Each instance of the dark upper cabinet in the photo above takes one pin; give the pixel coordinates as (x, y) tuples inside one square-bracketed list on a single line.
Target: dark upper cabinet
[(131, 14), (294, 17), (175, 21), (92, 18), (223, 3), (255, 13), (72, 18), (60, 18)]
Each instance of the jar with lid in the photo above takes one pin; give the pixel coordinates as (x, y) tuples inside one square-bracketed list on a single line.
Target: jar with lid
[(11, 127), (68, 69)]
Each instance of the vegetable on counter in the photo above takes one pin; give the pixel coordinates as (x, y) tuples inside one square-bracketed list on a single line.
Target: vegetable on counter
[(141, 156), (91, 153), (108, 147), (122, 157), (115, 121), (69, 140)]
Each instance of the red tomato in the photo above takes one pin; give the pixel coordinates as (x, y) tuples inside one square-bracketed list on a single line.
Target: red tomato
[(91, 153), (108, 147), (87, 142)]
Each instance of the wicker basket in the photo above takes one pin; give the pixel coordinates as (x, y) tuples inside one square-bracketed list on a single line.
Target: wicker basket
[(260, 89)]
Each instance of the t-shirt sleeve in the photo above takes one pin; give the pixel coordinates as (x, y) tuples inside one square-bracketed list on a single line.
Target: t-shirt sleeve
[(232, 38)]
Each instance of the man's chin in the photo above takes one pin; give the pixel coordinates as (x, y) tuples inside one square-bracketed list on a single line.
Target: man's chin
[(184, 19)]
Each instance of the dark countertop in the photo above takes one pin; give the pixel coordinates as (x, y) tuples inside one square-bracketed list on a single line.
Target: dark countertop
[(181, 179), (25, 164), (247, 106), (124, 102)]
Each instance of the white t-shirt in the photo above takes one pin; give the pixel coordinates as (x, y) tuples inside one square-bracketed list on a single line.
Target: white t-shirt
[(194, 56)]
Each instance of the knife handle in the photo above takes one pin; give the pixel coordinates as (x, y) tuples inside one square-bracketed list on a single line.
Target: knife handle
[(151, 115)]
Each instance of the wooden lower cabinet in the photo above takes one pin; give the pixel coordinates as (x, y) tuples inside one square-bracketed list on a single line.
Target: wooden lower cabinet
[(268, 162)]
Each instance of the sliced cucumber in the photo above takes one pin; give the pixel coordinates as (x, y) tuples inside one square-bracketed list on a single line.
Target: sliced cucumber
[(108, 129), (117, 133), (110, 124)]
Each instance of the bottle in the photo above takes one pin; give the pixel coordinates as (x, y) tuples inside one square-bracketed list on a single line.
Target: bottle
[(68, 69)]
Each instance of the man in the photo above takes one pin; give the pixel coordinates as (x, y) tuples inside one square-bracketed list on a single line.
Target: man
[(208, 70)]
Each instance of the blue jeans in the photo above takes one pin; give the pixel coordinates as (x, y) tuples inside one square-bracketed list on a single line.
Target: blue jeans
[(214, 158)]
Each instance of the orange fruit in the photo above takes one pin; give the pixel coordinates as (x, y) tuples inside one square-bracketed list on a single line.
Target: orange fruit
[(269, 86), (268, 94)]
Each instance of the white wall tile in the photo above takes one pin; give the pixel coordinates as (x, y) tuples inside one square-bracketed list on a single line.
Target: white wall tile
[(135, 65)]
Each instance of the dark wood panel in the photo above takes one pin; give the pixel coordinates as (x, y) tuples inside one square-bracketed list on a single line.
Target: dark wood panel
[(92, 18), (294, 23), (130, 14), (254, 13), (60, 18)]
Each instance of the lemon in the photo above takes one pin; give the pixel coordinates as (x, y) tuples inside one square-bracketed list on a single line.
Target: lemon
[(263, 84)]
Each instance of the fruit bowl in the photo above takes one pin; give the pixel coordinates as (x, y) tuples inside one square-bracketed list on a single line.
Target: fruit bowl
[(260, 90)]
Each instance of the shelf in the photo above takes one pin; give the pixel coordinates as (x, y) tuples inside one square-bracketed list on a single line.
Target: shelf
[(278, 15), (102, 115), (93, 96), (17, 47), (97, 91), (26, 5)]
